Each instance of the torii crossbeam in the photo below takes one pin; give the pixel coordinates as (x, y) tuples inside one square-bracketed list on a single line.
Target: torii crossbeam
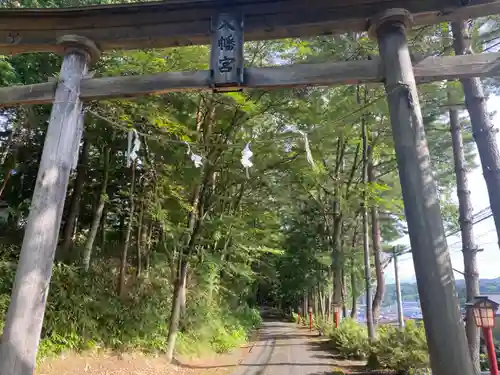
[(285, 76), (186, 22)]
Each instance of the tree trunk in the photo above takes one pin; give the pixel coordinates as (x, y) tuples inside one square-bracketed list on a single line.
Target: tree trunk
[(139, 240), (336, 257), (354, 292), (176, 310), (81, 175), (366, 244), (123, 263), (344, 293), (306, 305), (310, 300), (5, 182), (482, 127), (322, 300), (178, 304), (469, 248), (315, 299), (182, 294), (103, 227), (377, 250), (149, 245), (335, 233), (329, 301), (89, 244), (399, 298)]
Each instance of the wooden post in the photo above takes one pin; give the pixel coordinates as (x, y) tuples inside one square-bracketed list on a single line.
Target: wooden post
[(24, 320), (336, 317), (310, 319), (445, 331), (226, 55)]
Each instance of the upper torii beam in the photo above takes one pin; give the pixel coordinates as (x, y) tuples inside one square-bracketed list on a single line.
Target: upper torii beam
[(187, 22)]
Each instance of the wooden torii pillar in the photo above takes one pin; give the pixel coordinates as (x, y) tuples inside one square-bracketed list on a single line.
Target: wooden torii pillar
[(24, 320), (449, 354)]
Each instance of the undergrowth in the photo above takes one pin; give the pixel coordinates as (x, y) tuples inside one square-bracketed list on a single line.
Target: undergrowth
[(84, 313), (401, 350), (350, 339)]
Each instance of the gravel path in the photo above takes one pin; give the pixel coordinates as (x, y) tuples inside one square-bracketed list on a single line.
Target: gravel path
[(285, 349)]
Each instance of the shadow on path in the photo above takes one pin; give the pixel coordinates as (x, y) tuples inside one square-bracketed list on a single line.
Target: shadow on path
[(283, 348)]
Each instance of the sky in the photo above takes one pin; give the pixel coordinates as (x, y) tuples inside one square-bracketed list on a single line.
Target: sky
[(484, 232)]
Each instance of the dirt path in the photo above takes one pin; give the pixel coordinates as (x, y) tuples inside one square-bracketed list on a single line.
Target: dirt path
[(139, 364)]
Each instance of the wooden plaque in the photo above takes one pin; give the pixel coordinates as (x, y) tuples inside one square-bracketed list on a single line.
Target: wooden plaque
[(226, 57)]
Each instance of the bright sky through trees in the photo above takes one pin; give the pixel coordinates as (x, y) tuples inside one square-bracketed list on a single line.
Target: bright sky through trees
[(489, 258)]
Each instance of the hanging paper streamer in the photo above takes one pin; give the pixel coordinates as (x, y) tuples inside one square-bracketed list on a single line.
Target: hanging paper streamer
[(246, 154), (196, 159), (309, 157), (134, 145)]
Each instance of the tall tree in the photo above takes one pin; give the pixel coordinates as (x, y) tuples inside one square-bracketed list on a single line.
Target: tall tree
[(482, 127), (366, 243), (96, 220), (469, 247), (74, 208), (128, 232), (377, 247)]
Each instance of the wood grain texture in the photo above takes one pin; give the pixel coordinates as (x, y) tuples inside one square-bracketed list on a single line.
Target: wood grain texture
[(322, 74), (23, 324), (176, 23), (448, 351)]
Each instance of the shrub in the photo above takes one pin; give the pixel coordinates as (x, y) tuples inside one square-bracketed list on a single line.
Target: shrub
[(324, 327), (350, 339), (484, 362), (217, 330), (83, 312), (402, 350), (233, 329), (304, 320), (215, 327)]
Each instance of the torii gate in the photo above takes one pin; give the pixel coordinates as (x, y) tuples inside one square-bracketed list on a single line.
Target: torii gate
[(82, 33)]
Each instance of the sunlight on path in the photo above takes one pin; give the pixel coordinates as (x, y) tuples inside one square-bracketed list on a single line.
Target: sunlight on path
[(285, 349)]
